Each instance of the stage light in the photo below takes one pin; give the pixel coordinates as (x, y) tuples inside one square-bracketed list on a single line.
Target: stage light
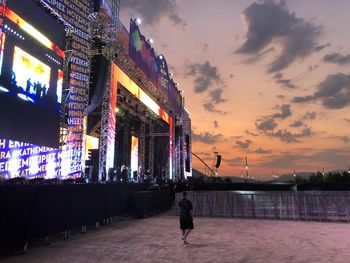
[(160, 57), (3, 89), (150, 41), (14, 165), (138, 21), (51, 169), (117, 110), (34, 165)]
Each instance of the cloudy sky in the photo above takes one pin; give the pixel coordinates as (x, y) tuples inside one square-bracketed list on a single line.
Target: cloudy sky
[(269, 80)]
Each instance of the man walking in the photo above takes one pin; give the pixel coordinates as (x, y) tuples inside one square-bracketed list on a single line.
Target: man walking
[(186, 217)]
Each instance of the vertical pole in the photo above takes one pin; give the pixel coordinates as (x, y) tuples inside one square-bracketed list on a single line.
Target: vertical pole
[(151, 149), (106, 128), (142, 146)]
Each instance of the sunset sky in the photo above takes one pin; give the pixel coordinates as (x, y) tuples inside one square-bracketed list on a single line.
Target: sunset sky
[(269, 80)]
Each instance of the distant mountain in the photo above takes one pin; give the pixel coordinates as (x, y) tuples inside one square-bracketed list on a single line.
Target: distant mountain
[(290, 177), (197, 174)]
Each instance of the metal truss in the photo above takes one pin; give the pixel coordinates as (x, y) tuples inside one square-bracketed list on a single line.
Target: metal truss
[(68, 51), (178, 155), (104, 32), (151, 149), (102, 173), (142, 145)]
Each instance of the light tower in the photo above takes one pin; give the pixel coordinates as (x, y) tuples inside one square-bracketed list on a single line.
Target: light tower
[(246, 168)]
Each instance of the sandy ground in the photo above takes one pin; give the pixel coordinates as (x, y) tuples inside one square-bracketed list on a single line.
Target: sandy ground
[(158, 239)]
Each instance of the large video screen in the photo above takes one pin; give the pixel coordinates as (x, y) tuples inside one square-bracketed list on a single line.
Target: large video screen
[(31, 74)]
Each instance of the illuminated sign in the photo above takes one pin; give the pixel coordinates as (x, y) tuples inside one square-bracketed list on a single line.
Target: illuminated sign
[(76, 12), (28, 160), (32, 31), (119, 76), (91, 143)]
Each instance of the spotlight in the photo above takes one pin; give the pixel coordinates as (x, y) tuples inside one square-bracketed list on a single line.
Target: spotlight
[(160, 57), (150, 41), (3, 89), (138, 21)]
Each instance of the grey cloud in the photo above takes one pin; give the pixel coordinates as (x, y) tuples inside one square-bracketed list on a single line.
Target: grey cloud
[(216, 124), (312, 68), (285, 136), (281, 97), (234, 161), (321, 47), (205, 75), (262, 151), (287, 83), (344, 139), (251, 133), (266, 124), (289, 137), (306, 132), (310, 115), (303, 99), (216, 96), (207, 137), (282, 160), (245, 144), (297, 123), (285, 111), (332, 157), (334, 92), (271, 21), (260, 55), (152, 11), (209, 106), (337, 58)]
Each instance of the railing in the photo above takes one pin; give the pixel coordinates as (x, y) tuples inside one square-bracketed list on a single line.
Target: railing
[(308, 205)]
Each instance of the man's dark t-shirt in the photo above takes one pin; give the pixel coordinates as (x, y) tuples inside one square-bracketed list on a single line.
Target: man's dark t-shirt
[(185, 206)]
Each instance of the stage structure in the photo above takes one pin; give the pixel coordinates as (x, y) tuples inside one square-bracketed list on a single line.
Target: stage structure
[(140, 100)]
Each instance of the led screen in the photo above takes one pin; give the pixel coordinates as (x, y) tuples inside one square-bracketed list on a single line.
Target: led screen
[(91, 143), (134, 154), (31, 75)]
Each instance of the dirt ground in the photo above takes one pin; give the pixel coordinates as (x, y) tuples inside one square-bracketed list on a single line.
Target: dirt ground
[(158, 239)]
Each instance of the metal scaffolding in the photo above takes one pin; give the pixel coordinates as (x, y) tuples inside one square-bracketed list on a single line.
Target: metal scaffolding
[(142, 145)]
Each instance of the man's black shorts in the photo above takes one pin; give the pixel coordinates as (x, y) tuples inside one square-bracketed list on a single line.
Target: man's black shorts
[(186, 223)]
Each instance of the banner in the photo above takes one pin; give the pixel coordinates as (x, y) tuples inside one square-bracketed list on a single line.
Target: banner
[(154, 67)]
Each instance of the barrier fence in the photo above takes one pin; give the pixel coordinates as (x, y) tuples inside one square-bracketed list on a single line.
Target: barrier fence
[(40, 211), (308, 205)]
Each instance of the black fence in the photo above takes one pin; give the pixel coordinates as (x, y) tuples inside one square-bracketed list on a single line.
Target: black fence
[(35, 211), (281, 205)]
